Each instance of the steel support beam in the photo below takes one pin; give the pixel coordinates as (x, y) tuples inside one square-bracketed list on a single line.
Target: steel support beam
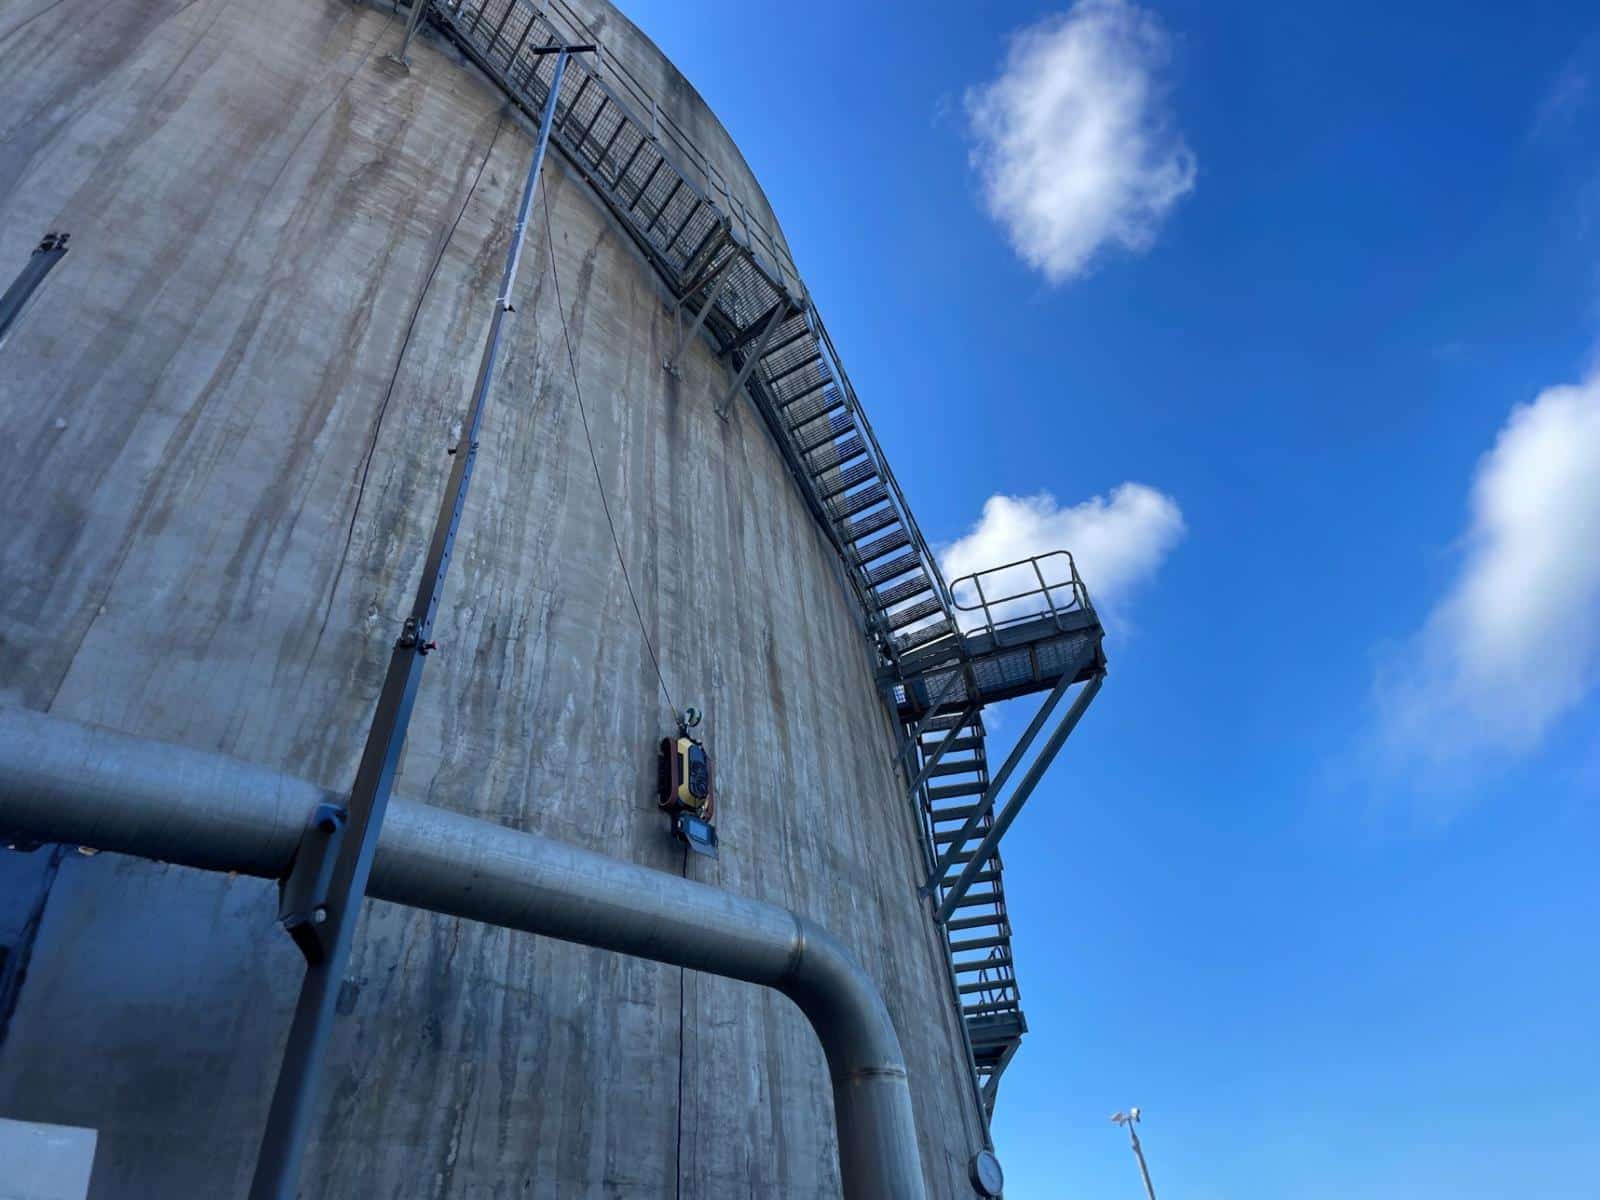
[(991, 1085), (714, 289), (1014, 805), (758, 327), (75, 784), (778, 312), (921, 727), (327, 944), (932, 760), (992, 792)]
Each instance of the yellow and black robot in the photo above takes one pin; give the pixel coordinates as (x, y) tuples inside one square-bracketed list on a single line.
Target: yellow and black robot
[(684, 787)]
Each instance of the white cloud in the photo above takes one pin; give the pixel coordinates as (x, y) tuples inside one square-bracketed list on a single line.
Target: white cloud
[(1075, 142), (1117, 541), (1515, 642)]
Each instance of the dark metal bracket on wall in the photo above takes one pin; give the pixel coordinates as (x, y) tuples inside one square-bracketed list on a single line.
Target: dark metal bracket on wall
[(45, 256)]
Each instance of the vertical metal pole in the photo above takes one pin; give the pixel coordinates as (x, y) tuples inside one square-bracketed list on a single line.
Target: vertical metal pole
[(289, 1121), (1138, 1152)]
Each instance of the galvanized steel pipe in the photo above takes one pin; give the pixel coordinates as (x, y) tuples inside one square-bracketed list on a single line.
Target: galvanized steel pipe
[(65, 782)]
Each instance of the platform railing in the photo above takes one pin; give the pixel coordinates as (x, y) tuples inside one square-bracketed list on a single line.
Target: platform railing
[(1024, 601)]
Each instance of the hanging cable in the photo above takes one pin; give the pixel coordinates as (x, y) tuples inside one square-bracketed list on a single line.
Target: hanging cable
[(572, 364), (594, 461)]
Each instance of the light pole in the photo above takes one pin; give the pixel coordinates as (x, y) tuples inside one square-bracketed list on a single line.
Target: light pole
[(1130, 1119)]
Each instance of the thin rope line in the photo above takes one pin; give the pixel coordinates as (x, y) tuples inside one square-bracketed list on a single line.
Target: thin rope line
[(594, 461), (388, 395)]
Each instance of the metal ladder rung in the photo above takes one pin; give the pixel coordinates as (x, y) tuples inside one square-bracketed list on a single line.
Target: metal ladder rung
[(992, 985), (980, 877), (964, 766), (961, 860), (977, 943), (983, 964), (963, 743), (991, 1006), (957, 813), (960, 923), (946, 836)]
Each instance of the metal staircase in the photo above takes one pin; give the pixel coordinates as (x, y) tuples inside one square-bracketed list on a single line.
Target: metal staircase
[(739, 283), (955, 776), (1037, 632), (943, 653)]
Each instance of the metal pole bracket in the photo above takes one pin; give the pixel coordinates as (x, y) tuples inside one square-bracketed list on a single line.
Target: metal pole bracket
[(303, 893)]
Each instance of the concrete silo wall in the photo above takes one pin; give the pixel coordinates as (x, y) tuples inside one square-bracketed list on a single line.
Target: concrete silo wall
[(227, 416)]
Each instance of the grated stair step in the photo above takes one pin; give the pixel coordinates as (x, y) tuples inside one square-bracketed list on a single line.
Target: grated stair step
[(899, 539), (913, 613), (867, 524)]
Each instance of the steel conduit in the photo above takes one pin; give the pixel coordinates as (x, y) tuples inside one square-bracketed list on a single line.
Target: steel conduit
[(65, 782)]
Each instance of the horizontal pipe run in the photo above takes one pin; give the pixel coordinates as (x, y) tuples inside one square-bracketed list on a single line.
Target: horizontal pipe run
[(65, 782)]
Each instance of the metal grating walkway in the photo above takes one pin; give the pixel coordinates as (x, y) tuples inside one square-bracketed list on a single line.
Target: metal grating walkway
[(736, 281)]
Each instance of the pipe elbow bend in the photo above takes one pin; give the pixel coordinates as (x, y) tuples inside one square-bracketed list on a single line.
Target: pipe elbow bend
[(843, 1004)]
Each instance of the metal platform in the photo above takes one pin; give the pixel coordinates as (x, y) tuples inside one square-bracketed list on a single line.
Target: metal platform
[(943, 653)]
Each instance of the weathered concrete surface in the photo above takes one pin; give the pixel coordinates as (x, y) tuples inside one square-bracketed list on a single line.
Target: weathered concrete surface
[(228, 413)]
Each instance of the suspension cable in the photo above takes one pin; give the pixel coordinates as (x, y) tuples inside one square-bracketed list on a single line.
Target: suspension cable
[(588, 437)]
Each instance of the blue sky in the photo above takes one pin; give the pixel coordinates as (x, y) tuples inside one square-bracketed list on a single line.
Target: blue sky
[(1314, 883)]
